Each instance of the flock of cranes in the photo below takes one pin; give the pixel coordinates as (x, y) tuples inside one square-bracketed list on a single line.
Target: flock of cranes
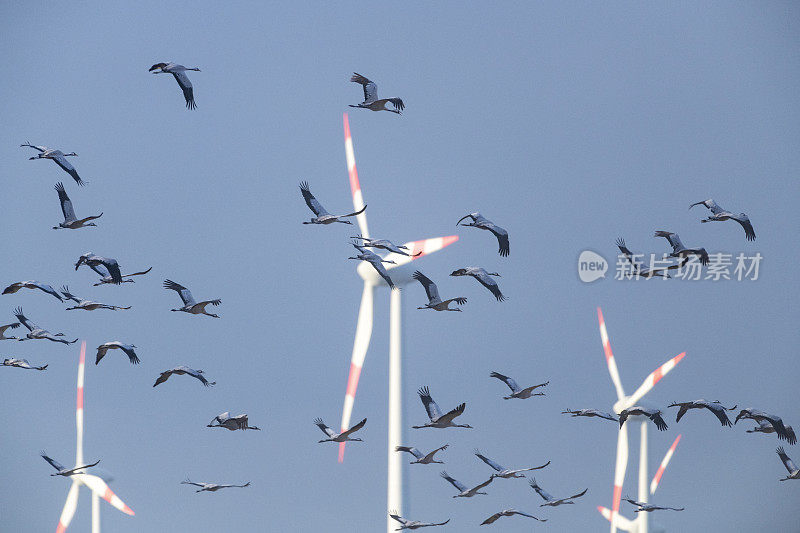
[(679, 251), (110, 272)]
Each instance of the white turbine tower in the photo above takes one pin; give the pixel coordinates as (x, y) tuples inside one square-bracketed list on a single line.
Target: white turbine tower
[(394, 493), (623, 402), (632, 525), (96, 484)]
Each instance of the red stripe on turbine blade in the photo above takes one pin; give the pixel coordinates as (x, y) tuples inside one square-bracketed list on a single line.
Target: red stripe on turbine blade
[(352, 381), (107, 495), (659, 473), (604, 336), (341, 452), (61, 528), (354, 184), (663, 466), (447, 241), (659, 373), (79, 404), (617, 497)]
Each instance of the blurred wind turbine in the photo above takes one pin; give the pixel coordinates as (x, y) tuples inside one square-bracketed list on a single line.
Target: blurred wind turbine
[(94, 483), (416, 249), (623, 402), (631, 525)]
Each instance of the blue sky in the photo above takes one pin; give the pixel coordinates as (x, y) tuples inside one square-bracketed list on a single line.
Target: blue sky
[(568, 124)]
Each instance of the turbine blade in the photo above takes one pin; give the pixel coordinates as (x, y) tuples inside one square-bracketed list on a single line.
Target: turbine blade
[(663, 466), (69, 508), (417, 249), (622, 523), (360, 346), (355, 186), (79, 407), (101, 488), (619, 473), (653, 378), (612, 364)]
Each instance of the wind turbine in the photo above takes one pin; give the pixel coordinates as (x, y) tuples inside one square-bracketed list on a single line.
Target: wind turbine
[(632, 525), (416, 249), (623, 402), (96, 484)]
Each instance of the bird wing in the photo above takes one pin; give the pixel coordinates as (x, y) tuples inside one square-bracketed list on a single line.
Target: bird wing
[(788, 463), (399, 518), (672, 238), (487, 281), (199, 375), (507, 380), (68, 168), (711, 204), (325, 429), (55, 464), (634, 502), (502, 238), (397, 103), (41, 149), (470, 215), (684, 408), (66, 203), (48, 289), (24, 321), (354, 428), (138, 273), (132, 357), (492, 519), (479, 487), (410, 449), (433, 410), (184, 293), (370, 89), (513, 511), (719, 412), (375, 261), (656, 418), (488, 461), (113, 269), (762, 425), (101, 270), (187, 482), (101, 352), (430, 287), (625, 251), (749, 233), (354, 213), (163, 377), (457, 484), (577, 495), (15, 325), (311, 200), (68, 295), (440, 448), (450, 415), (539, 490), (13, 288), (222, 418), (186, 87)]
